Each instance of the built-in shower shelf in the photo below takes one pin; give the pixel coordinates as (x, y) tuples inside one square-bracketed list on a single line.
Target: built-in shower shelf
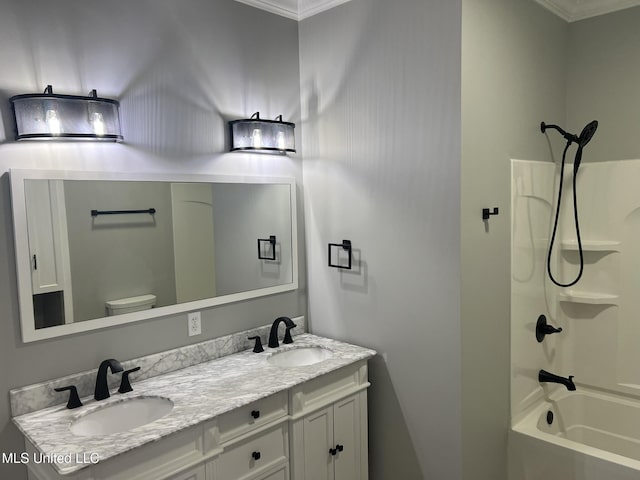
[(593, 245), (589, 298)]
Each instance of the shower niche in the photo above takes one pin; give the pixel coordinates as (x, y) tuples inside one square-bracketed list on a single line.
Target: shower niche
[(599, 282)]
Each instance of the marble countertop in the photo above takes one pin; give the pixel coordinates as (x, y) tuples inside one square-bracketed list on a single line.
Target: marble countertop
[(199, 393)]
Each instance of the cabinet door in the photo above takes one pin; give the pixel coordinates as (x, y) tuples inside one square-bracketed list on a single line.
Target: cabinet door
[(44, 232), (195, 473), (346, 415), (318, 439), (49, 245)]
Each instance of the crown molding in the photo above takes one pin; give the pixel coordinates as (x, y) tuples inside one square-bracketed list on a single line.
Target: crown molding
[(574, 10), (294, 9)]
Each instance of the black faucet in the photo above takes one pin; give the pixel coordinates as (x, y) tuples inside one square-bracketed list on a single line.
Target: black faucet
[(544, 376), (102, 387), (273, 336)]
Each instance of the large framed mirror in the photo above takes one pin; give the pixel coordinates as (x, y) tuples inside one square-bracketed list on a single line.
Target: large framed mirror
[(98, 249)]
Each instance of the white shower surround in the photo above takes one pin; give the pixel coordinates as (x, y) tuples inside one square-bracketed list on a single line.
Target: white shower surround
[(599, 340)]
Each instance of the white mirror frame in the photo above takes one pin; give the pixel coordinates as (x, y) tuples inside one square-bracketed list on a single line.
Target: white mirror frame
[(23, 267)]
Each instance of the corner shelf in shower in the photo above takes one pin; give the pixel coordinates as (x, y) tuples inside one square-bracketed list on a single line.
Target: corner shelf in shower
[(588, 298), (593, 245)]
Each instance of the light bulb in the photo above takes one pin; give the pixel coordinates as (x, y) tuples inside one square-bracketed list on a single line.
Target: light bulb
[(256, 138), (98, 123), (53, 122)]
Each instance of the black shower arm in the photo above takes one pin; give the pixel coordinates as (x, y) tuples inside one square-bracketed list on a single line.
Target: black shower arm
[(569, 137)]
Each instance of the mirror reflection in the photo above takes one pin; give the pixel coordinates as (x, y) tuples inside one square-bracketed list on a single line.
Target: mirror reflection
[(101, 248)]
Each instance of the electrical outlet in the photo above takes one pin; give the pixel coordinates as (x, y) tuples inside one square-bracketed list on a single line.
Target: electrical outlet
[(193, 321)]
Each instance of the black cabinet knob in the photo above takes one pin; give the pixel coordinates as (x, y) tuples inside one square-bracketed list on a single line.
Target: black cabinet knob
[(339, 447), (333, 451), (255, 413), (255, 455)]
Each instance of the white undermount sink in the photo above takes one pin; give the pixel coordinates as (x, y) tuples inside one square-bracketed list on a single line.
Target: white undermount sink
[(299, 357), (121, 416)]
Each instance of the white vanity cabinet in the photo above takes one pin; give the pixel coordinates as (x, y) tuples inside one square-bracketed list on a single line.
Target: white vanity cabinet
[(331, 442), (329, 426), (285, 436)]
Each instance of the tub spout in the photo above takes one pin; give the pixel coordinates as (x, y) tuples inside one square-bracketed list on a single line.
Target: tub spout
[(546, 377)]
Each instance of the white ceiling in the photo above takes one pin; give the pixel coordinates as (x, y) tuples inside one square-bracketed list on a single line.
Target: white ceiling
[(573, 10), (570, 10), (295, 9)]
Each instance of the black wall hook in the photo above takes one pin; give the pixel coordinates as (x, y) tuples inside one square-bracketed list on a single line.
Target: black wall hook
[(486, 213)]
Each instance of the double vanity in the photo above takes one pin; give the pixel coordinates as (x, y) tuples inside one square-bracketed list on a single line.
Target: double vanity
[(229, 408), (298, 411)]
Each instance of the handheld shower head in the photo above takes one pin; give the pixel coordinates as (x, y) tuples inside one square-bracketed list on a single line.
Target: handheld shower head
[(585, 137), (587, 133)]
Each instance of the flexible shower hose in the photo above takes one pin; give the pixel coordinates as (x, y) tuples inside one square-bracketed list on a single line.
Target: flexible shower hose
[(555, 224)]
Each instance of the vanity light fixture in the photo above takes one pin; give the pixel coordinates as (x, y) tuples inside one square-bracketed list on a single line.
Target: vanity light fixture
[(51, 116), (256, 134)]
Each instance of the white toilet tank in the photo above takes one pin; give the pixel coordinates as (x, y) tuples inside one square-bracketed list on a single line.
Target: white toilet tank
[(130, 304)]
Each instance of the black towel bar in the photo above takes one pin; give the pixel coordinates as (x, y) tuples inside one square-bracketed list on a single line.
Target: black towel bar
[(95, 213)]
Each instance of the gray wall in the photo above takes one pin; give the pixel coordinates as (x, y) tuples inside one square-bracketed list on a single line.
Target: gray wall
[(119, 256), (603, 74), (181, 70), (513, 77), (241, 215), (380, 84)]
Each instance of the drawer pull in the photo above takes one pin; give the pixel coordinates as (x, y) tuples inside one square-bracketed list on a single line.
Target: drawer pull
[(255, 413), (255, 455)]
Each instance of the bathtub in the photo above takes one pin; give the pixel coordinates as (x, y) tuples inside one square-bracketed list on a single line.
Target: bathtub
[(592, 436)]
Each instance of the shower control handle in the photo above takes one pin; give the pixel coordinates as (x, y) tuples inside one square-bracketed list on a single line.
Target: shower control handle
[(543, 328)]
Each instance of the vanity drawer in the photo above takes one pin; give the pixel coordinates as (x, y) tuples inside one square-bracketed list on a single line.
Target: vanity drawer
[(310, 396), (254, 455), (254, 415)]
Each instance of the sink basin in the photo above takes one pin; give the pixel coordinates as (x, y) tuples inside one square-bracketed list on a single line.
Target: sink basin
[(120, 416), (299, 357)]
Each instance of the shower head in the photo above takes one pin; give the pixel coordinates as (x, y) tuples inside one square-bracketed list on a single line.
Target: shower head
[(585, 136), (587, 133)]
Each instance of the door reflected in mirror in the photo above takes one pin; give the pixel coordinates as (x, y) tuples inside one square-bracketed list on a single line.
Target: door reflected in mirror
[(93, 252)]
